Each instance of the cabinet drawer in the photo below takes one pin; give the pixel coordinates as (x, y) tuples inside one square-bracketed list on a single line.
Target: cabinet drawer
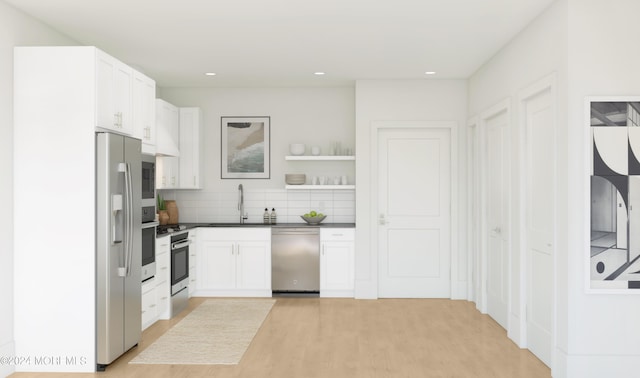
[(234, 233), (162, 273), (337, 234), (149, 306)]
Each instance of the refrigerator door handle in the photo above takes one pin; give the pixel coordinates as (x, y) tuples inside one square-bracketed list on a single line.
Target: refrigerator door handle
[(125, 270), (129, 189)]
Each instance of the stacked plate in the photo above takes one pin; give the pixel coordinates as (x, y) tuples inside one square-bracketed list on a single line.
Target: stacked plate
[(295, 178)]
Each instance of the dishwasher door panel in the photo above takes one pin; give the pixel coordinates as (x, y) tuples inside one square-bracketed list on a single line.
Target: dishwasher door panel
[(295, 260)]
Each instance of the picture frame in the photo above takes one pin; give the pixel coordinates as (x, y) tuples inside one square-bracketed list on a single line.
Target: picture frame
[(613, 222), (245, 147)]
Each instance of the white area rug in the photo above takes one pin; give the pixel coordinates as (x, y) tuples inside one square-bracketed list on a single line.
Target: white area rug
[(218, 331)]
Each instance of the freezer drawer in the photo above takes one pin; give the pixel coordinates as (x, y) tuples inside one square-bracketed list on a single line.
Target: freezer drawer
[(295, 259)]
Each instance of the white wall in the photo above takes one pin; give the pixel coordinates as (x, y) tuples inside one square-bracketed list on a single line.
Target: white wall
[(415, 100), (537, 52), (579, 40), (15, 29), (313, 116), (603, 60)]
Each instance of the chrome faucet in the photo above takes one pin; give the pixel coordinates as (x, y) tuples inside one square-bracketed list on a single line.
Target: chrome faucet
[(243, 216)]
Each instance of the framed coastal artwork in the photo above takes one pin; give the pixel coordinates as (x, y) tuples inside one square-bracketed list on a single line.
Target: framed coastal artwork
[(245, 147), (614, 248)]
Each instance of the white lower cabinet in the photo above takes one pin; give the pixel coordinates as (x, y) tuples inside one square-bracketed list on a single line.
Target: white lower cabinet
[(234, 262), (149, 303), (163, 276), (337, 262), (193, 262)]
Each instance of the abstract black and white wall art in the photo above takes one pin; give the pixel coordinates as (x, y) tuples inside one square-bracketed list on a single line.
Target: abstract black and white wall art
[(614, 257)]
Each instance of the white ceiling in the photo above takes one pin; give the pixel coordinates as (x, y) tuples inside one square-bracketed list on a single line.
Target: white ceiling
[(283, 42)]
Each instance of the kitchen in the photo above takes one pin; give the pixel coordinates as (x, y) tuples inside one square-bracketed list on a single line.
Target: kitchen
[(370, 102)]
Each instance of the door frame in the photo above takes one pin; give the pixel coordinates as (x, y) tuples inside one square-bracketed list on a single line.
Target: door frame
[(458, 288), (474, 286), (503, 106), (548, 83)]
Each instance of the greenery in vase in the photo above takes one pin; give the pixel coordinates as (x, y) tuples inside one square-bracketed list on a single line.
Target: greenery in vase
[(161, 205)]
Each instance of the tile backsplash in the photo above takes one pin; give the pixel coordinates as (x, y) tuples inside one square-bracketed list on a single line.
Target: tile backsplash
[(200, 206)]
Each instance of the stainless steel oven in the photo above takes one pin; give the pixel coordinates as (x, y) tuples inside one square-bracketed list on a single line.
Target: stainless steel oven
[(148, 250), (179, 272)]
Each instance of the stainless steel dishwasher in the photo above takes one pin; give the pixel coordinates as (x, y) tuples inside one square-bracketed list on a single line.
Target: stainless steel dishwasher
[(295, 259)]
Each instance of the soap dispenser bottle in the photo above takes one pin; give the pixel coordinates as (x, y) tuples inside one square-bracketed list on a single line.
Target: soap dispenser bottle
[(266, 217), (273, 216)]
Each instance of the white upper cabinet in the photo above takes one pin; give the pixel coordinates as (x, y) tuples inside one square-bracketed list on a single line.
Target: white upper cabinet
[(144, 112), (167, 129), (113, 94), (190, 148), (167, 172), (182, 172)]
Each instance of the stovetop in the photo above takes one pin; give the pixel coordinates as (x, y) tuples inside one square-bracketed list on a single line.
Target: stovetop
[(169, 228)]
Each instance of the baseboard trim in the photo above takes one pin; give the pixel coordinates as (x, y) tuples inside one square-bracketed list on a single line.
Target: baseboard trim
[(594, 366)]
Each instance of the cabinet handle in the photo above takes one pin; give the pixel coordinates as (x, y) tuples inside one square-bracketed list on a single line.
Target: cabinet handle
[(323, 250), (163, 298), (194, 180), (152, 306)]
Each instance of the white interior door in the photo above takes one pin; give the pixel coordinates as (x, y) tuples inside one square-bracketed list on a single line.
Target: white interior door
[(414, 204), (540, 222), (497, 215)]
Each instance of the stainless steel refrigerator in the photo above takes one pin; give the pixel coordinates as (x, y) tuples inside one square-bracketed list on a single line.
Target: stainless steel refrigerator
[(118, 246)]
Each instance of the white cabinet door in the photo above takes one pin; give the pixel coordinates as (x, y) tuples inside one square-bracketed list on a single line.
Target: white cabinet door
[(149, 303), (163, 276), (193, 262), (144, 111), (336, 267), (234, 262), (190, 148), (113, 94), (217, 265), (337, 260), (167, 172), (254, 265), (167, 129)]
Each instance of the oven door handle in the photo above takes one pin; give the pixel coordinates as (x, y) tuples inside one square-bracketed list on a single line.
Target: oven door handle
[(179, 245)]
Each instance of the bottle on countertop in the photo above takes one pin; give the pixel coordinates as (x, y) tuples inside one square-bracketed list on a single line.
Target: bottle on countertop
[(273, 216), (266, 217)]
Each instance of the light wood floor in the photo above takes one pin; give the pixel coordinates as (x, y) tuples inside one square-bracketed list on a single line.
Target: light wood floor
[(313, 337)]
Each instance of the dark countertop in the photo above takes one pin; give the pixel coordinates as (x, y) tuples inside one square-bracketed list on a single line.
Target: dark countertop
[(253, 225), (323, 225)]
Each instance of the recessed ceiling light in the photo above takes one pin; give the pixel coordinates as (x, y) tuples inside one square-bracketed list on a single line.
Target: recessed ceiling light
[(319, 73), (210, 73), (430, 73)]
